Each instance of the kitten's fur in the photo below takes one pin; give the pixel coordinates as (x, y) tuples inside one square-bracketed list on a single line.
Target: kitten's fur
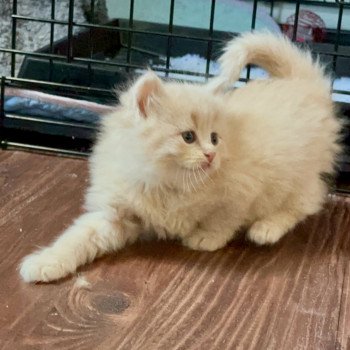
[(276, 137)]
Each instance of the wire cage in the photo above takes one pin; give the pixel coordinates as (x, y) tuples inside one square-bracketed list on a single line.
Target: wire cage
[(96, 54)]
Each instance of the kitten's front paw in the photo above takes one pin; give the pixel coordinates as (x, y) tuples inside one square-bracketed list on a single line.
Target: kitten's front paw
[(43, 266), (265, 232), (203, 242)]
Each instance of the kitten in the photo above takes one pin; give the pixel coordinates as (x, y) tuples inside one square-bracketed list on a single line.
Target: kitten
[(198, 163)]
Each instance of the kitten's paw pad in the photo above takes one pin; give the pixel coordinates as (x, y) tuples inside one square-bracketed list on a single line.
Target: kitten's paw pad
[(199, 242), (264, 232), (42, 267)]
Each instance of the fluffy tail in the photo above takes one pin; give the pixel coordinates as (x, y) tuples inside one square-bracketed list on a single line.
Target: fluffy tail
[(274, 53)]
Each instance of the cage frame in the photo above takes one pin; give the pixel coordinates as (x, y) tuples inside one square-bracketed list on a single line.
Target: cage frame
[(207, 37)]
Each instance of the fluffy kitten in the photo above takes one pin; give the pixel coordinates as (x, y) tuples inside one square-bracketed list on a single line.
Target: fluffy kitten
[(195, 163)]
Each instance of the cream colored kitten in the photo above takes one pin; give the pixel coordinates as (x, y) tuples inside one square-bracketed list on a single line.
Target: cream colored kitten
[(184, 162)]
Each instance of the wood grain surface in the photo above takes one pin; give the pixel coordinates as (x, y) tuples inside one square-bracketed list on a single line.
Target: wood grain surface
[(159, 295)]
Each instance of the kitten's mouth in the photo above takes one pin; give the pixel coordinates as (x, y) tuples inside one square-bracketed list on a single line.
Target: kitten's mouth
[(201, 167), (206, 165)]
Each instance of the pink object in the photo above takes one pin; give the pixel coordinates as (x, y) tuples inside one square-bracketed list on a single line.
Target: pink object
[(210, 156), (311, 27)]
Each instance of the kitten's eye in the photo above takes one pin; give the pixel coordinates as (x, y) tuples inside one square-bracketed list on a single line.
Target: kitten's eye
[(189, 136), (214, 138)]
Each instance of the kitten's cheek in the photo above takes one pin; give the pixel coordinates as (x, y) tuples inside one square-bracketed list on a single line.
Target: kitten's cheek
[(216, 164)]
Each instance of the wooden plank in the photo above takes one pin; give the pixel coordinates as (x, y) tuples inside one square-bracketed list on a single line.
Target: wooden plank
[(31, 200), (159, 295), (343, 332)]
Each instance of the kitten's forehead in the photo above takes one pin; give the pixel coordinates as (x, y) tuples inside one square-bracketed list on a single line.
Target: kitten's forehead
[(204, 119), (192, 107), (195, 119)]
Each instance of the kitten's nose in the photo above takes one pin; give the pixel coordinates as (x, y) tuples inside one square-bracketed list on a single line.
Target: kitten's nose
[(210, 156)]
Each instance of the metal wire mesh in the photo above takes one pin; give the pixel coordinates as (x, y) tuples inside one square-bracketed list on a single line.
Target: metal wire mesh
[(94, 57)]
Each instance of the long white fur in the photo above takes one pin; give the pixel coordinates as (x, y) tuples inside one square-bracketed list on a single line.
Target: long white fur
[(276, 138)]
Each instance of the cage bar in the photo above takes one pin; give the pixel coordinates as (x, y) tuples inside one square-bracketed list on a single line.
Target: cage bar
[(52, 36), (339, 24), (296, 20), (272, 5), (13, 38), (169, 41), (130, 32), (210, 41), (70, 31), (255, 9), (91, 47)]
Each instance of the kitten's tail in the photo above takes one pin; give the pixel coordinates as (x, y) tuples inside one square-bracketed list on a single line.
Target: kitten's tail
[(274, 53)]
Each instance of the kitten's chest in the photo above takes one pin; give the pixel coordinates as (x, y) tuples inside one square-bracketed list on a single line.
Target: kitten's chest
[(170, 214)]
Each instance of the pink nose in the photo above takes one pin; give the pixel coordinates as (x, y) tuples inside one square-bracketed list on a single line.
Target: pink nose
[(210, 156)]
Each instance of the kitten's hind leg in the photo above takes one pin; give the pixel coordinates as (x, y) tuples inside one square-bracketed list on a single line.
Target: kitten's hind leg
[(272, 228), (307, 201), (91, 235)]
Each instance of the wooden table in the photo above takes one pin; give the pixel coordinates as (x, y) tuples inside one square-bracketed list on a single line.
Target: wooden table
[(159, 295)]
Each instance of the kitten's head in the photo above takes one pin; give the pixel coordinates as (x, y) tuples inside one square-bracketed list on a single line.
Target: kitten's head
[(181, 127)]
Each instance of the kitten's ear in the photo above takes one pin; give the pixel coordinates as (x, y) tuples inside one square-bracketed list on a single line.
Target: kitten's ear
[(147, 88)]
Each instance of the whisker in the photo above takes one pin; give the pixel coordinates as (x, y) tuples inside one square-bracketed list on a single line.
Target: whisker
[(209, 177), (194, 170), (177, 175), (190, 179), (200, 175), (204, 173), (183, 183), (188, 182)]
